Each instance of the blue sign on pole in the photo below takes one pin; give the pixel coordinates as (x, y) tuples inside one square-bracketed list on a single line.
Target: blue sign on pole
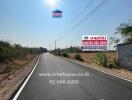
[(57, 13)]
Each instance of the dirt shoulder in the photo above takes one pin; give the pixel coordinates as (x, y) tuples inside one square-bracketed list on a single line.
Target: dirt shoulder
[(10, 81), (88, 57)]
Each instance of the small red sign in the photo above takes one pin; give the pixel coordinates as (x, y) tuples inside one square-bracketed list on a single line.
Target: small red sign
[(57, 13)]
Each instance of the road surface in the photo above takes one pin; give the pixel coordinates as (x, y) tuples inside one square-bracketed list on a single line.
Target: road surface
[(93, 86)]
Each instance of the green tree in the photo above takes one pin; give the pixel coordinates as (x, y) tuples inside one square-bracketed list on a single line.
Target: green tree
[(125, 31), (8, 51)]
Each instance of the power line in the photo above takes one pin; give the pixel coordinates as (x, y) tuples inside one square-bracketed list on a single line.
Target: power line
[(77, 17), (92, 12)]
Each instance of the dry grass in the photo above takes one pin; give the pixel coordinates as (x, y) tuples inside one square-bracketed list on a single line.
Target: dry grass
[(89, 57), (9, 82), (111, 56), (12, 65), (21, 61)]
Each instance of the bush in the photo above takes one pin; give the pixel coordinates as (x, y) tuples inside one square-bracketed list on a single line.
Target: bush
[(8, 51), (5, 51), (65, 55), (7, 69), (101, 59), (78, 57), (111, 65), (115, 63)]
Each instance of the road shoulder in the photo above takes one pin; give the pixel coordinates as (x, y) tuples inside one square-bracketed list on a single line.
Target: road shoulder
[(10, 85), (118, 73)]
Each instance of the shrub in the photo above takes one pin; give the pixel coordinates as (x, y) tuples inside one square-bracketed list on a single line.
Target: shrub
[(5, 51), (65, 55), (7, 69), (78, 57), (8, 51), (101, 59), (111, 65), (116, 63)]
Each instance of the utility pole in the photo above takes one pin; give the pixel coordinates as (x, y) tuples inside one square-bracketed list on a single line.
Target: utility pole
[(49, 46), (55, 46)]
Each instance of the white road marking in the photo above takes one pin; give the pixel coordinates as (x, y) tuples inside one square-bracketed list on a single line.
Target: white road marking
[(25, 82), (104, 72), (100, 70)]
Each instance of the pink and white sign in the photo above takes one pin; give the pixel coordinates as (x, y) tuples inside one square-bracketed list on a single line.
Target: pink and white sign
[(94, 43)]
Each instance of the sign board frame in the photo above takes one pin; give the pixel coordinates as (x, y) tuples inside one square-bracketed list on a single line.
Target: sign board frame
[(94, 43)]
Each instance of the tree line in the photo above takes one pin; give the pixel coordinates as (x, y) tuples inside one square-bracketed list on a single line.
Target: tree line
[(71, 49), (122, 35), (9, 51)]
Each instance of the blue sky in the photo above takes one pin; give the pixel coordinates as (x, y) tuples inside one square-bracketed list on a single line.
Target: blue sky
[(30, 22)]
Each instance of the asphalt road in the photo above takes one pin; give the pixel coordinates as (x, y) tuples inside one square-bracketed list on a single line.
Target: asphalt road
[(94, 86)]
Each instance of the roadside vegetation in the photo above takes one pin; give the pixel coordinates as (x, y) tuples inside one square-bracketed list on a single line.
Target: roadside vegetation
[(65, 55), (65, 52), (123, 34), (106, 59), (78, 57), (16, 55), (102, 59), (16, 62)]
